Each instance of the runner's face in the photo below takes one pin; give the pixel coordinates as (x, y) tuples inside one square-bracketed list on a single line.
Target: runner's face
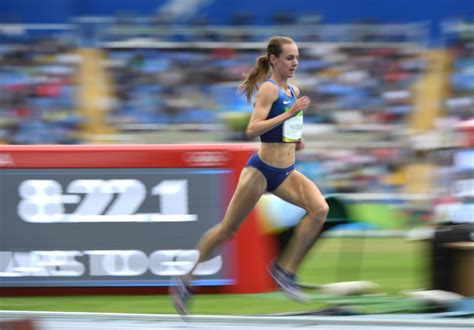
[(288, 60)]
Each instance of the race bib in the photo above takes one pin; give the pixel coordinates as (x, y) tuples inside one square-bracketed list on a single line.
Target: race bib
[(293, 128)]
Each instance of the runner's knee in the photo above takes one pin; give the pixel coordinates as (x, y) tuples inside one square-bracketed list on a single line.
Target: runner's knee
[(318, 211)]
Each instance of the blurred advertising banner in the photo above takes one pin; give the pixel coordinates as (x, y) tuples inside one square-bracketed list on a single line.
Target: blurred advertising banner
[(111, 221)]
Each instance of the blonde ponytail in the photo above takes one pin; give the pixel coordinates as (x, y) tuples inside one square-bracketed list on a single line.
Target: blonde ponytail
[(257, 74)]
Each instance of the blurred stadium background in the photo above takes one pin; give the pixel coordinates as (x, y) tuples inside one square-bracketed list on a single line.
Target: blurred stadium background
[(389, 135)]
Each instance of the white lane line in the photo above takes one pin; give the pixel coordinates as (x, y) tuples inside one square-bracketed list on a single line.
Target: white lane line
[(264, 320)]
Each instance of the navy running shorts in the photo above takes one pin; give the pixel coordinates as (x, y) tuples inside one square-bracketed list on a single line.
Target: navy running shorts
[(274, 175)]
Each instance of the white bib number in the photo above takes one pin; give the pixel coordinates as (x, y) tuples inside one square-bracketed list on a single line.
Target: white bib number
[(293, 128)]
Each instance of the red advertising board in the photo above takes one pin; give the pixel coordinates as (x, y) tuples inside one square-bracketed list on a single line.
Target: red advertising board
[(218, 164)]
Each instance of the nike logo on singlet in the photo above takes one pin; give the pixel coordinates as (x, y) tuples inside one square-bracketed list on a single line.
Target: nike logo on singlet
[(286, 102)]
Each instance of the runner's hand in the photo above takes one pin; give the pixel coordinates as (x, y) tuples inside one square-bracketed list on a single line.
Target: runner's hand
[(301, 104), (300, 144)]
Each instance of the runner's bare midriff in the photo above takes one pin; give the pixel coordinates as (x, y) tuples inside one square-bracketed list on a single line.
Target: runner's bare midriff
[(279, 155)]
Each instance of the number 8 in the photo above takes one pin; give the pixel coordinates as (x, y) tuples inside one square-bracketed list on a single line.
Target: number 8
[(41, 201)]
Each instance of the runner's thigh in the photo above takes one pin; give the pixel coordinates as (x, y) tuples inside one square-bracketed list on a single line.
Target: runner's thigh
[(251, 186), (297, 189)]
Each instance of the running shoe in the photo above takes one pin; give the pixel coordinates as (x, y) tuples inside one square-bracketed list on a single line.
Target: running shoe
[(181, 294), (288, 283)]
